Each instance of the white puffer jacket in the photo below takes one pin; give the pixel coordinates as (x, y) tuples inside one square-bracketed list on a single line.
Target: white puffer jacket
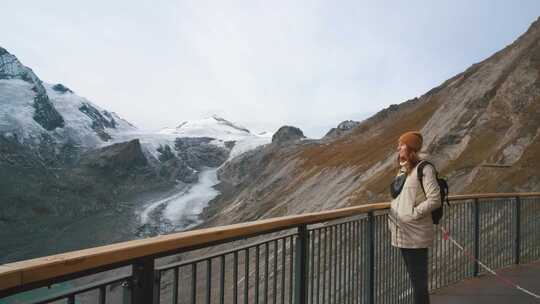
[(409, 218)]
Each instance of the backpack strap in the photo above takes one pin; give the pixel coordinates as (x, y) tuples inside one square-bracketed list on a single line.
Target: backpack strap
[(420, 172)]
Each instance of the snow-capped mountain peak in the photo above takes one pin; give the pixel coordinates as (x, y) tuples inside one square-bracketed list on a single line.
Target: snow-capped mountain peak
[(213, 127), (32, 109)]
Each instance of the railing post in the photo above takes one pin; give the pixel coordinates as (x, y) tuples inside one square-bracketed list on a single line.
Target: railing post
[(301, 263), (476, 227), (517, 230), (126, 292), (143, 279), (371, 258)]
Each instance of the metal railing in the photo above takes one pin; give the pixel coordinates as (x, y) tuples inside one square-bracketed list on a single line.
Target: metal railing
[(339, 256)]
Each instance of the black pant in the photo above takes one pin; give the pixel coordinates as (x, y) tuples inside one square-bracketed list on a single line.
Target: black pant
[(416, 261)]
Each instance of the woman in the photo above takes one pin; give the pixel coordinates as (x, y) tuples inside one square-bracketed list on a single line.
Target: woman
[(410, 220)]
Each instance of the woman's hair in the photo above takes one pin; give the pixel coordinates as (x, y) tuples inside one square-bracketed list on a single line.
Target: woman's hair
[(411, 161)]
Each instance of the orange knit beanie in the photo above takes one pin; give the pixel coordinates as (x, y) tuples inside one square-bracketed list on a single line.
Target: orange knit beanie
[(412, 139)]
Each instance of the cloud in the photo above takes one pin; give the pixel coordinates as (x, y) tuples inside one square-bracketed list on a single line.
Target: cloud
[(260, 63)]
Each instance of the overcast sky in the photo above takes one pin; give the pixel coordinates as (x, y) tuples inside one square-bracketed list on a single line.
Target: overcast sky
[(262, 64)]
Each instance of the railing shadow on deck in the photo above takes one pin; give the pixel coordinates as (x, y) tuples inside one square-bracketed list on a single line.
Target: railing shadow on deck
[(337, 256)]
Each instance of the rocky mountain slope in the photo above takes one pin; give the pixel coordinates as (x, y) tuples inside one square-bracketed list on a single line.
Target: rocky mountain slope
[(481, 128)]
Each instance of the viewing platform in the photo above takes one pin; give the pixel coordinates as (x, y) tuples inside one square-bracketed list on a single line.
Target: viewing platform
[(490, 290), (335, 256)]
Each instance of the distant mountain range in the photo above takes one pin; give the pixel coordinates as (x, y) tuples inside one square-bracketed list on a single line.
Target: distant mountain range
[(65, 161)]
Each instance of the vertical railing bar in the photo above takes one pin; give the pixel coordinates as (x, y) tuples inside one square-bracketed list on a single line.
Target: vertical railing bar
[(378, 257), (357, 261), (476, 227), (484, 221), (349, 258), (438, 246), (401, 286), (393, 291), (235, 277), (454, 230), (208, 280), (505, 234), (451, 251), (157, 288), (194, 283), (246, 276), (312, 267), (257, 273), (266, 261), (371, 259), (464, 236), (302, 263), (283, 262), (508, 256), (222, 279), (71, 299), (393, 287), (360, 282), (340, 265), (143, 273), (291, 268), (381, 279), (175, 286), (343, 284), (517, 231), (431, 262), (319, 245), (275, 273), (102, 295), (334, 264), (464, 224), (354, 287), (500, 237), (345, 263), (325, 268), (351, 262), (537, 227)]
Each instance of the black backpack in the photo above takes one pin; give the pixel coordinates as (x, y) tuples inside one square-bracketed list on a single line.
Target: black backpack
[(436, 214)]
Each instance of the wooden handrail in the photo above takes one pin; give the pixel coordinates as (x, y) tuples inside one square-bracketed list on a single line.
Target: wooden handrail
[(40, 269), (20, 273), (491, 195)]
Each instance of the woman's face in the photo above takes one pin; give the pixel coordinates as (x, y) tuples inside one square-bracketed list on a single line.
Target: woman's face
[(403, 151)]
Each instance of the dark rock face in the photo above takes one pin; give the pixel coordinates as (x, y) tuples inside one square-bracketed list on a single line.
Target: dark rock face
[(61, 88), (204, 155), (99, 121), (176, 169), (120, 158), (287, 133), (198, 152), (46, 114), (342, 128), (184, 143), (190, 155), (165, 153), (347, 125)]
